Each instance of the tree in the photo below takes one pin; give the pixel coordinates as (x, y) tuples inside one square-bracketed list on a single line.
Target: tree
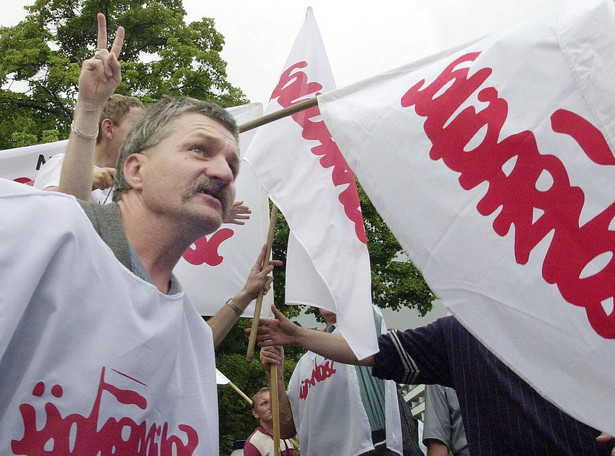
[(40, 60)]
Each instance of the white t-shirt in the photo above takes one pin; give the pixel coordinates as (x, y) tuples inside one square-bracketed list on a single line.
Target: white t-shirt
[(49, 176), (90, 354)]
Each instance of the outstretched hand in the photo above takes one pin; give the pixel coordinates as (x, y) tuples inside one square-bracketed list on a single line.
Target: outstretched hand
[(101, 74), (605, 438), (239, 212), (280, 331)]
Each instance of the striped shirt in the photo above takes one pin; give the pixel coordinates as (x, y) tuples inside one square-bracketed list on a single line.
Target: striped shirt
[(502, 414)]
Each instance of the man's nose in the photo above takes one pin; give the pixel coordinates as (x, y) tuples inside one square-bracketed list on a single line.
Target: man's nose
[(220, 169)]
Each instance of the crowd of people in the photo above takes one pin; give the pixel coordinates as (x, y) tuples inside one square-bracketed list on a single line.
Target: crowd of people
[(151, 181)]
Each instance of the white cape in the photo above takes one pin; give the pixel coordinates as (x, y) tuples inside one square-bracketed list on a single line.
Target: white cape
[(91, 356)]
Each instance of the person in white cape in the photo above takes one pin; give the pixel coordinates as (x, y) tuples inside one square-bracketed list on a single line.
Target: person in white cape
[(100, 349), (320, 392)]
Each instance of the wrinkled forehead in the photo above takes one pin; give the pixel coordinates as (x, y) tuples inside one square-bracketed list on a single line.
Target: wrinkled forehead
[(207, 127), (262, 397)]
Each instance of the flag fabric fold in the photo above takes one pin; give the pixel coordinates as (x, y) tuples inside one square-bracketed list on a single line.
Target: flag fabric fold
[(306, 176), (493, 167)]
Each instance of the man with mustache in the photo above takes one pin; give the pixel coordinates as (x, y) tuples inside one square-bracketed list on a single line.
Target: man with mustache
[(175, 179), (100, 349)]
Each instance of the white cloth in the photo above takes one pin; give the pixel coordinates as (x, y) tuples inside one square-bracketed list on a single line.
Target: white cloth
[(491, 165), (91, 355), (22, 164), (49, 176), (327, 408), (322, 388), (307, 178)]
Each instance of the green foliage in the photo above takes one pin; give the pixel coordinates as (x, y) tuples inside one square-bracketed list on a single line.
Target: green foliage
[(21, 139), (40, 60), (50, 136)]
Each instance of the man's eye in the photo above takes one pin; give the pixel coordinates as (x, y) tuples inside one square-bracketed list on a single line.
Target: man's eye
[(198, 150)]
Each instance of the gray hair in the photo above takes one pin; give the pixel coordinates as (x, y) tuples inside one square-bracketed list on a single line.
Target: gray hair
[(157, 123)]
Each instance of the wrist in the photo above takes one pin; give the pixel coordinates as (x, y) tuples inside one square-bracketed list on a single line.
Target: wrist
[(299, 337), (242, 300), (238, 311), (88, 109)]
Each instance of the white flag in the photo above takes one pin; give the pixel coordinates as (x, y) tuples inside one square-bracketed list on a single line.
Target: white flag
[(216, 267), (493, 167), (221, 379), (308, 179)]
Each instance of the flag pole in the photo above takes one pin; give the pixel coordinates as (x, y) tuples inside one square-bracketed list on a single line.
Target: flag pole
[(259, 299), (277, 115), (275, 408), (241, 393), (273, 386)]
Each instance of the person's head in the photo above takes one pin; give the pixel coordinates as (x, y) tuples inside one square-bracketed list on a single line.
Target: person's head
[(182, 158), (261, 407), (118, 116)]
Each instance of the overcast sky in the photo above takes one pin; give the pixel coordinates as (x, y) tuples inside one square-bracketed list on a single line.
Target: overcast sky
[(362, 39)]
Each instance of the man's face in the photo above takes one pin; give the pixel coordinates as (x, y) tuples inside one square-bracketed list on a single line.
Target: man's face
[(120, 131), (190, 175), (262, 408)]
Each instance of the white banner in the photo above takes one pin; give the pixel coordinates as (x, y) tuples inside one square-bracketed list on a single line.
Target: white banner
[(492, 166), (308, 179), (216, 267), (22, 164)]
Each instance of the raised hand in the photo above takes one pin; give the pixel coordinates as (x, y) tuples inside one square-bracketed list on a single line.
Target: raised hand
[(259, 278), (101, 74)]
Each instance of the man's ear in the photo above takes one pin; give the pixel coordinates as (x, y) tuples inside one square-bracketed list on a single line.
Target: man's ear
[(254, 414), (133, 170), (106, 128)]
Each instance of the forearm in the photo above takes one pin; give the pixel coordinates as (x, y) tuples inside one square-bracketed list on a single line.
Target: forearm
[(332, 346), (287, 423), (76, 178), (222, 322)]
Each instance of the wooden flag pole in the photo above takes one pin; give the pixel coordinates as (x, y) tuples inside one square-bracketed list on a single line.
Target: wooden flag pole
[(259, 299), (241, 393), (275, 408), (285, 112)]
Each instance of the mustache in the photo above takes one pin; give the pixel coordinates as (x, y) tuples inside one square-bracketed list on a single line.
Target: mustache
[(213, 188)]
